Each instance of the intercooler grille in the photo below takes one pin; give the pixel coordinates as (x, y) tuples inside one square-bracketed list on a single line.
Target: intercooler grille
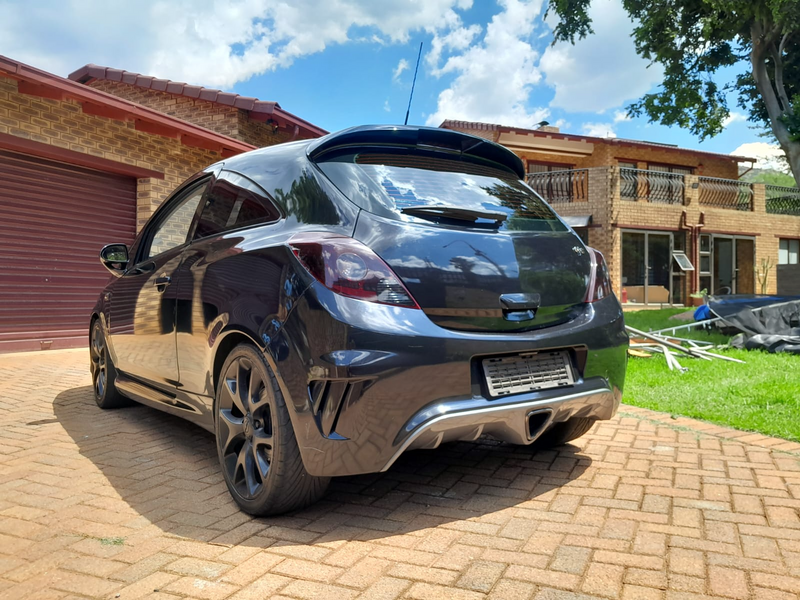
[(527, 372)]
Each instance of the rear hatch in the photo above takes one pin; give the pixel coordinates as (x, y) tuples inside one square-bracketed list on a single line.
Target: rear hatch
[(476, 247)]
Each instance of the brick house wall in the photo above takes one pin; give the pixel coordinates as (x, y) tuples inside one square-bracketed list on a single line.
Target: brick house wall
[(611, 215), (62, 124), (227, 120), (605, 155)]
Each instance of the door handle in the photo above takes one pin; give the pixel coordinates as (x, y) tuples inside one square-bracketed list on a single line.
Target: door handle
[(162, 282)]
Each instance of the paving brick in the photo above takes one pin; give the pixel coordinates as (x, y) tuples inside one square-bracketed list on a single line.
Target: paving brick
[(385, 588), (686, 562), (263, 587), (728, 582), (570, 559), (603, 580), (312, 590), (427, 591), (481, 576)]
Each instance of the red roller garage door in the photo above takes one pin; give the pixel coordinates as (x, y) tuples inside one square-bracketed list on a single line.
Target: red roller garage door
[(54, 218)]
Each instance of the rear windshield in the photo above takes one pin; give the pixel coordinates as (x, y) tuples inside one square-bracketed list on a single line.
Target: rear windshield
[(386, 184)]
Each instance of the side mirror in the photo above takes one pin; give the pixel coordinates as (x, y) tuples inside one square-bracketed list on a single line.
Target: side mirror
[(114, 257)]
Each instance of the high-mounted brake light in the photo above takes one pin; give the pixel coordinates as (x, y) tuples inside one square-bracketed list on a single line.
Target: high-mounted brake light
[(349, 268), (599, 281)]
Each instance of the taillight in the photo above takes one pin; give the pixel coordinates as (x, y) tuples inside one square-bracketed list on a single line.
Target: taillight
[(348, 267), (599, 281)]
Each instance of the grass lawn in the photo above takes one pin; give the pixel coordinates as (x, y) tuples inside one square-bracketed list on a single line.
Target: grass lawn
[(762, 395)]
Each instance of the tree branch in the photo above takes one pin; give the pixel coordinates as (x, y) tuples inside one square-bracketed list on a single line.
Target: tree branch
[(779, 86), (764, 85)]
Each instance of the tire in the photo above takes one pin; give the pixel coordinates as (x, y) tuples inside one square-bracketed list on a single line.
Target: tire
[(104, 374), (561, 433), (256, 444)]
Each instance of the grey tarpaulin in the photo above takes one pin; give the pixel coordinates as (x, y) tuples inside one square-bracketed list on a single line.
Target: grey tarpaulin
[(769, 323)]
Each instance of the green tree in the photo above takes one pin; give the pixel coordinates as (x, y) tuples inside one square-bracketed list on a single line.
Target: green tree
[(694, 41)]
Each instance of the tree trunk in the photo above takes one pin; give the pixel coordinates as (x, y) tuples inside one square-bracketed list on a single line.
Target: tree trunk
[(758, 53)]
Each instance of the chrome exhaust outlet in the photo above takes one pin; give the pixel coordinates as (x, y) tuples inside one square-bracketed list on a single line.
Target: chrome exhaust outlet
[(538, 422)]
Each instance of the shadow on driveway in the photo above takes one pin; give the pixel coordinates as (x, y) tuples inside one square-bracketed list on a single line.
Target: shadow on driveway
[(165, 469)]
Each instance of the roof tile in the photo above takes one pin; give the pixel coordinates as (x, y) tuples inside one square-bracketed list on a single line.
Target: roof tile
[(90, 72)]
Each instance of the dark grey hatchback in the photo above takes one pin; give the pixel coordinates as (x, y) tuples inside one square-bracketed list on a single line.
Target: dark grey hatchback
[(323, 306)]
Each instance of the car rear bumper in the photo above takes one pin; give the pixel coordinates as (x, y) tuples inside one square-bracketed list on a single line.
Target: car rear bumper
[(521, 421), (365, 382)]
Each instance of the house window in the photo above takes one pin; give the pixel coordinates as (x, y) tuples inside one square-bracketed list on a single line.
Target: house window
[(705, 263), (670, 169), (543, 167), (789, 252)]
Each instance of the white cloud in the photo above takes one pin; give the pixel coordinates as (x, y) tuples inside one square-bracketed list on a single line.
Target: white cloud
[(769, 156), (621, 116), (599, 129), (401, 66), (733, 117), (601, 71), (386, 106), (493, 76), (216, 44)]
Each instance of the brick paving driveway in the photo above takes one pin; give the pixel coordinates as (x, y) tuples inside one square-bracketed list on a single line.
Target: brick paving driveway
[(130, 504)]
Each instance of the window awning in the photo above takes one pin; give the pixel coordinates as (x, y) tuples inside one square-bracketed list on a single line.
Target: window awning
[(578, 221)]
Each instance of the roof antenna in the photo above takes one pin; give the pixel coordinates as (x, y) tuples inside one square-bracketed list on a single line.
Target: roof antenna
[(413, 83)]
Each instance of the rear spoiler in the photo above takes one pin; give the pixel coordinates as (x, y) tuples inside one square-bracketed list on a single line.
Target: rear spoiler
[(430, 138)]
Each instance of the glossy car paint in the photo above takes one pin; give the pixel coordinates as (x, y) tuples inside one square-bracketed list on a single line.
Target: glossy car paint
[(385, 373)]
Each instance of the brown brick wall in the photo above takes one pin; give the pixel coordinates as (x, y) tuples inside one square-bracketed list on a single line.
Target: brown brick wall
[(226, 120), (257, 133), (63, 124)]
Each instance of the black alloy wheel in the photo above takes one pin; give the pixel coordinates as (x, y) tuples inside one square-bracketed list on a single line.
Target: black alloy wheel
[(97, 352), (257, 448), (104, 374), (245, 428)]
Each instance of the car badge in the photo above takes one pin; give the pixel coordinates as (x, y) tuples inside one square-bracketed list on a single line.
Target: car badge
[(578, 250)]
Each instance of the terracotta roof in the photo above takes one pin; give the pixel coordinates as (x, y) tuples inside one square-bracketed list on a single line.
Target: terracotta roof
[(475, 126), (260, 110), (35, 82)]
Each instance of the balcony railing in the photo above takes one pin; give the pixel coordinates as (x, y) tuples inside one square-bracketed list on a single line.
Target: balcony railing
[(726, 193), (641, 185), (570, 185), (783, 200)]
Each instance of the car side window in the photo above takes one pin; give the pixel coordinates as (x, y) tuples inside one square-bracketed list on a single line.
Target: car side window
[(234, 202), (173, 230)]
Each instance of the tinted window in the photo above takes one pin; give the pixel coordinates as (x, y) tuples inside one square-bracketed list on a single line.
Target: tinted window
[(172, 231), (233, 202), (387, 184)]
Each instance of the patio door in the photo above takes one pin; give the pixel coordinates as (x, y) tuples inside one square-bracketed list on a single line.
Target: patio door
[(733, 265), (646, 267)]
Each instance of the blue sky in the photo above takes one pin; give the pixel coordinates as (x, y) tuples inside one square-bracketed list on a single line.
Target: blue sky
[(339, 63)]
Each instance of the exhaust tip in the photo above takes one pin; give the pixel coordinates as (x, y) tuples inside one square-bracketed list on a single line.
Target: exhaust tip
[(538, 422)]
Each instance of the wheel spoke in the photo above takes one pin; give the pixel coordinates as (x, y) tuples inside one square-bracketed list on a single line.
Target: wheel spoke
[(243, 376), (100, 384), (255, 388), (230, 390), (230, 428), (262, 452), (245, 474)]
